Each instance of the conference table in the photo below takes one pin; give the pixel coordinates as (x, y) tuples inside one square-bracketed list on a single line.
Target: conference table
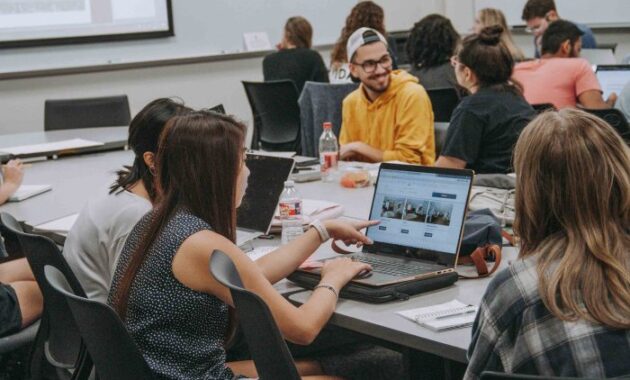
[(75, 179)]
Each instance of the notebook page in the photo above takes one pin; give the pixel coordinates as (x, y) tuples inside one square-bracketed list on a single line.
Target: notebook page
[(449, 315), (51, 147), (62, 225)]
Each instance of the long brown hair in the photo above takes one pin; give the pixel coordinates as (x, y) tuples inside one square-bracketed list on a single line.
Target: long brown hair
[(365, 14), (493, 16), (573, 215), (299, 32), (198, 162)]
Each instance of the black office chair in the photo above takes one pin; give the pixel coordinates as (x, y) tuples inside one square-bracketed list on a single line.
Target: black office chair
[(444, 102), (218, 109), (276, 114), (489, 375), (113, 351), (58, 340), (440, 137), (615, 119), (267, 347), (542, 107), (20, 339), (86, 113)]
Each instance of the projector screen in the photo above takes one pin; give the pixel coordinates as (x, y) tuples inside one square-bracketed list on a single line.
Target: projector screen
[(46, 22)]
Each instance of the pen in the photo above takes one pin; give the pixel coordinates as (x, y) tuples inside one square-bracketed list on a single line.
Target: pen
[(456, 314)]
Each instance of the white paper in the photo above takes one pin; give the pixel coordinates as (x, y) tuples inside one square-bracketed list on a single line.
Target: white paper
[(27, 191), (62, 225), (259, 252), (444, 316), (51, 147), (256, 41)]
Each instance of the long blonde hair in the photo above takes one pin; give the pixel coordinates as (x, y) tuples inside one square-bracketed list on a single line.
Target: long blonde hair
[(491, 17), (573, 215)]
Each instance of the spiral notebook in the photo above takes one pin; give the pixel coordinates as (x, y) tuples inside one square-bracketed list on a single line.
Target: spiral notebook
[(445, 316)]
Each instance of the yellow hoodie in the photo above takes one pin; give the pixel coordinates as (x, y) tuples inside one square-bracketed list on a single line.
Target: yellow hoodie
[(399, 122)]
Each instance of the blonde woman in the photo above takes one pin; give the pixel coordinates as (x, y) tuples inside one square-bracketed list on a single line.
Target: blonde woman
[(491, 16), (563, 308)]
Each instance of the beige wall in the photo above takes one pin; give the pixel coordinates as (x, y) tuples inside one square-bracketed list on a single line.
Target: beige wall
[(200, 85)]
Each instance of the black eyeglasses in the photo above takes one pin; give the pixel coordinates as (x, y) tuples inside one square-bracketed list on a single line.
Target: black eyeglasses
[(369, 66)]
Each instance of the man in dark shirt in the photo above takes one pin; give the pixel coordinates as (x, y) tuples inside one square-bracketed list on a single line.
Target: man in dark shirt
[(295, 60)]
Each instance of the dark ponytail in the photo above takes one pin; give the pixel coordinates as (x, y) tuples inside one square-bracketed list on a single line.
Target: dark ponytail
[(489, 59), (144, 132)]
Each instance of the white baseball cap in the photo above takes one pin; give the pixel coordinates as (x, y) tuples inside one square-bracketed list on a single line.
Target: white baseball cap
[(360, 37)]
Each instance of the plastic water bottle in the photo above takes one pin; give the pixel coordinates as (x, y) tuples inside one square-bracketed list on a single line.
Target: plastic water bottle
[(328, 153), (290, 206)]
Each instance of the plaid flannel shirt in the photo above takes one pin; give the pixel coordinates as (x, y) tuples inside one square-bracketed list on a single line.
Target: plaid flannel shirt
[(515, 333)]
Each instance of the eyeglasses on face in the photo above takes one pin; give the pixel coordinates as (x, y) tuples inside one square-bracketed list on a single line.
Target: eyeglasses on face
[(370, 65)]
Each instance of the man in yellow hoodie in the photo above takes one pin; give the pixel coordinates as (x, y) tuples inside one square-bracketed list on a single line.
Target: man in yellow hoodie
[(389, 117)]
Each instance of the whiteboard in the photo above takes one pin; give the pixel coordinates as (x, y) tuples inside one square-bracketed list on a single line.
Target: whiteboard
[(202, 28), (600, 13)]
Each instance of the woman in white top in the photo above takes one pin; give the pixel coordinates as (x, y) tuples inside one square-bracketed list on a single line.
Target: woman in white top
[(97, 237)]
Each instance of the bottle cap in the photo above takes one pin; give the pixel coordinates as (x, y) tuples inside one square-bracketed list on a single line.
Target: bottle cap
[(327, 125), (289, 183)]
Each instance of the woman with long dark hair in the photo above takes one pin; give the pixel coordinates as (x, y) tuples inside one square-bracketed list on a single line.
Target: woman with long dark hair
[(99, 233), (485, 125), (174, 309)]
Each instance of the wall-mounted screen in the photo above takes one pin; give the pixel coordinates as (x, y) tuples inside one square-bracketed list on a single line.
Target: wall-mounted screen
[(46, 22)]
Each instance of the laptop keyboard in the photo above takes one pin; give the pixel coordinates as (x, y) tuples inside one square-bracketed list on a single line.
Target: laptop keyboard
[(398, 268)]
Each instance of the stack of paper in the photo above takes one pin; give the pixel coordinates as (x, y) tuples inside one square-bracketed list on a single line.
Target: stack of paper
[(61, 225), (444, 316), (27, 191)]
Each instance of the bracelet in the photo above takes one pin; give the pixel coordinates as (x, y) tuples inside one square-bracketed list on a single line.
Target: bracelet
[(321, 230), (329, 287)]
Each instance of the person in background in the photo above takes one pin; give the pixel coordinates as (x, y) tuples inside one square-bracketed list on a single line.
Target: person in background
[(365, 14), (538, 14), (563, 308), (172, 306), (389, 117), (491, 16), (486, 124), (560, 77), (97, 237), (21, 301), (295, 60), (431, 44)]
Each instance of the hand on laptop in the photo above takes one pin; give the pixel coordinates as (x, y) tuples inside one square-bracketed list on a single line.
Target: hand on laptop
[(338, 272), (348, 231)]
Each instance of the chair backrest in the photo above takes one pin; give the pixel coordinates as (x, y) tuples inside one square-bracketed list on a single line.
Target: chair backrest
[(319, 103), (10, 246), (276, 114), (542, 107), (615, 119), (218, 109), (267, 347), (114, 353), (86, 113), (58, 334), (440, 137), (444, 102), (489, 375)]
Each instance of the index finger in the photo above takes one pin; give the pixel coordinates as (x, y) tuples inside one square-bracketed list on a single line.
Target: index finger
[(361, 224)]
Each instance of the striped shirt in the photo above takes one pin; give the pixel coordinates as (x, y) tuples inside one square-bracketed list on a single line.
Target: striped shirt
[(515, 333)]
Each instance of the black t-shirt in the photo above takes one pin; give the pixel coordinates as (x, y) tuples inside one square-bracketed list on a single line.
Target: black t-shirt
[(299, 65), (484, 129)]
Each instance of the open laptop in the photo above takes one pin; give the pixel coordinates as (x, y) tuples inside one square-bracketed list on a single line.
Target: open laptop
[(265, 184), (598, 56), (421, 212), (612, 78)]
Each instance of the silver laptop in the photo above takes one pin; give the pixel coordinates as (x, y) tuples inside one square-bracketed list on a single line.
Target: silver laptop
[(612, 78), (599, 56), (421, 212), (265, 185)]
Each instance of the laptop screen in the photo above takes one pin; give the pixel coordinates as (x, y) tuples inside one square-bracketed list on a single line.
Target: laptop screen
[(264, 186), (613, 78), (421, 209)]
